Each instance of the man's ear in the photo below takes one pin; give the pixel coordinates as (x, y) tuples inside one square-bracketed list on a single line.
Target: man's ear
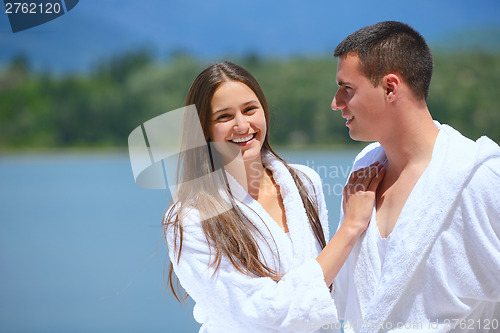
[(392, 84)]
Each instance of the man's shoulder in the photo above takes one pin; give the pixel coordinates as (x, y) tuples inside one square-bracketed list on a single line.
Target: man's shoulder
[(371, 153), (486, 174), (488, 150), (484, 178)]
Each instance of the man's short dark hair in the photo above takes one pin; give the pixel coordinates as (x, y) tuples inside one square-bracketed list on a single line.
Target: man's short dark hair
[(391, 47)]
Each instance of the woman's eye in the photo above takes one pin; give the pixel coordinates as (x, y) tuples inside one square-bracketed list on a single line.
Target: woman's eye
[(250, 109), (222, 117)]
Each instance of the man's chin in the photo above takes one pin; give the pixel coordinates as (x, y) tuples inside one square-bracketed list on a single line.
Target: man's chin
[(358, 136)]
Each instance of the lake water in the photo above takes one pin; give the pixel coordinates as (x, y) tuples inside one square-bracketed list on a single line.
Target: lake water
[(81, 246)]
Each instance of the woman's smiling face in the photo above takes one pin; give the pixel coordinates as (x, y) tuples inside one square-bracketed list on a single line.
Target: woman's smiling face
[(238, 118)]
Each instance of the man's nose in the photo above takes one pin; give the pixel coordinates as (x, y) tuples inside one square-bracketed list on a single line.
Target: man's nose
[(337, 102)]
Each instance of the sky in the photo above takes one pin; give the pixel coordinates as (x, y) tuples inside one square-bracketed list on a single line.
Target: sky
[(99, 29)]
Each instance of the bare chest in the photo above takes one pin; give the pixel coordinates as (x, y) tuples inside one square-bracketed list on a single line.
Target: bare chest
[(390, 200), (273, 204)]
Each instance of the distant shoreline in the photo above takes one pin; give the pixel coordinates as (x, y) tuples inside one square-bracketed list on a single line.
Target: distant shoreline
[(124, 150)]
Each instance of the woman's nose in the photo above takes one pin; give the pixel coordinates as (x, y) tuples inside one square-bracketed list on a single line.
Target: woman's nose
[(241, 124)]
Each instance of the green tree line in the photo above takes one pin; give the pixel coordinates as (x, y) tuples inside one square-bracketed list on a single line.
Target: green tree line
[(100, 108)]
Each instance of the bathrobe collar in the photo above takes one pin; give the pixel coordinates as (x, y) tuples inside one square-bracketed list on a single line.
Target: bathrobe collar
[(454, 158), (297, 221)]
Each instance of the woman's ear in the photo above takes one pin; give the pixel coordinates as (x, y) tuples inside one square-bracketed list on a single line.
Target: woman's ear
[(391, 83)]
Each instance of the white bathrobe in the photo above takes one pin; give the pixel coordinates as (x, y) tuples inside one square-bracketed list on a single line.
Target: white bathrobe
[(439, 269), (230, 301)]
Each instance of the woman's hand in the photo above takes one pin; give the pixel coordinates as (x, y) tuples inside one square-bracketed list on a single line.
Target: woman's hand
[(359, 197)]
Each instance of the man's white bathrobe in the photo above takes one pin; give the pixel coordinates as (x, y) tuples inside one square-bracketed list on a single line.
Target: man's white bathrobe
[(439, 269), (230, 301)]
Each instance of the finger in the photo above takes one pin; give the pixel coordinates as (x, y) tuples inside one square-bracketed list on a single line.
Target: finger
[(344, 198), (355, 183), (377, 179), (365, 180), (374, 169), (352, 178), (360, 179), (360, 173), (355, 175)]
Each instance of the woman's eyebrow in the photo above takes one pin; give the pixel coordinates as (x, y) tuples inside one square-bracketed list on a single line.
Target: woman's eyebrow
[(242, 105), (249, 102), (222, 110)]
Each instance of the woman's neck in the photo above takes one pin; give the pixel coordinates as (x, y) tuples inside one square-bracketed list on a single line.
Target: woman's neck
[(256, 177), (251, 175)]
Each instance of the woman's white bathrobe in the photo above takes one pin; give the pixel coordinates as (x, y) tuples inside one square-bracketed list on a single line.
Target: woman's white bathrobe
[(230, 301), (440, 269)]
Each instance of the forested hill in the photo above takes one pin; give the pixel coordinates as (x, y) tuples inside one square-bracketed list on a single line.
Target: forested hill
[(101, 108)]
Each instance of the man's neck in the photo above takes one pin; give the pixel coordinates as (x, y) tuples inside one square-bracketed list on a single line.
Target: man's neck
[(411, 141), (409, 151)]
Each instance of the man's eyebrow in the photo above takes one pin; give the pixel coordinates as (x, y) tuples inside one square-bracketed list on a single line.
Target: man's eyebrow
[(342, 83)]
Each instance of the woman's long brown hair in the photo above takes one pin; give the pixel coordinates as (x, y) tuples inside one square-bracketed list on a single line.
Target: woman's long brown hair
[(230, 233)]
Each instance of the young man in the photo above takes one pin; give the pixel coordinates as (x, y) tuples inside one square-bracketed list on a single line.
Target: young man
[(430, 258)]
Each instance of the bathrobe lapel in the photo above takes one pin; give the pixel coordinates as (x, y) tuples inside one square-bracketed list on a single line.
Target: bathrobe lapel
[(297, 221), (367, 265), (303, 239)]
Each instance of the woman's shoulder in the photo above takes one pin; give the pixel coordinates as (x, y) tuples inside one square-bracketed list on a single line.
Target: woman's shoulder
[(307, 171), (184, 224), (277, 165), (185, 217)]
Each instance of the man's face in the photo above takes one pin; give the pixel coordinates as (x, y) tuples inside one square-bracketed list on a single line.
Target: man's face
[(360, 102)]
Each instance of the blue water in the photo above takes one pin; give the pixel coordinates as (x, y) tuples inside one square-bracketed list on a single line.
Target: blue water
[(81, 247)]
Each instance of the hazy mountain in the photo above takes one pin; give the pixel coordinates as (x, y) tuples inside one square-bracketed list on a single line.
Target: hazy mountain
[(480, 39), (98, 29)]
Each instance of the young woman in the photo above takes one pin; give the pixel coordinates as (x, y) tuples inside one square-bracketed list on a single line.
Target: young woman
[(247, 232)]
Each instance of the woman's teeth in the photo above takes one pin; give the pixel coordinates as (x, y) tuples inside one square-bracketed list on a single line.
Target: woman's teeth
[(244, 139)]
